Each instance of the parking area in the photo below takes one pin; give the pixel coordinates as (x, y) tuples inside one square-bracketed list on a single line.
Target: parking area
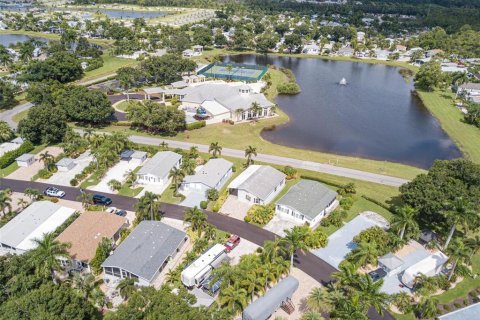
[(26, 173), (116, 172), (193, 199), (243, 248), (278, 225), (340, 243), (155, 188), (63, 178), (234, 208)]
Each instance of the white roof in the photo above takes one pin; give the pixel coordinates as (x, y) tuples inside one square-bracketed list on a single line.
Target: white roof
[(32, 223), (204, 260), (425, 266), (258, 180), (25, 157), (153, 90), (214, 108), (8, 146)]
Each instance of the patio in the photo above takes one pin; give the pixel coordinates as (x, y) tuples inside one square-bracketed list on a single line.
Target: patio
[(234, 208)]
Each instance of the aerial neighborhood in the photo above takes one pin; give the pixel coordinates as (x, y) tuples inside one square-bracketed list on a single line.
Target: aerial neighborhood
[(253, 160)]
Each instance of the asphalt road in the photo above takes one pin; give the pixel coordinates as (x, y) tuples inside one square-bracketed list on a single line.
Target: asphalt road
[(7, 115), (307, 262)]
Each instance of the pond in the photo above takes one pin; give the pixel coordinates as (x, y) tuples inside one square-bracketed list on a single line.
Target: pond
[(374, 116), (9, 39)]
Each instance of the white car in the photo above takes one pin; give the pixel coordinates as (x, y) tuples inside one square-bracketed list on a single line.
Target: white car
[(112, 210), (54, 192)]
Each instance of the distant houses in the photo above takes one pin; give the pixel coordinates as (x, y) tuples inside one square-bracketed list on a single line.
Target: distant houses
[(307, 202), (144, 253), (86, 233), (258, 184), (156, 169), (18, 235)]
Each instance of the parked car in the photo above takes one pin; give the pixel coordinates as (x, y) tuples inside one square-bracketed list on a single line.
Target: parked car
[(99, 199), (232, 242), (54, 192), (377, 274), (121, 213), (112, 210)]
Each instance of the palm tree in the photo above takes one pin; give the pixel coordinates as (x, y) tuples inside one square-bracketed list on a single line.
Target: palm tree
[(252, 283), (256, 108), (119, 141), (5, 201), (88, 133), (96, 140), (5, 57), (458, 254), (210, 232), (32, 193), (371, 295), (22, 203), (6, 132), (130, 177), (86, 199), (188, 166), (193, 152), (86, 284), (215, 149), (164, 145), (473, 244), (295, 240), (47, 159), (365, 253), (249, 153), (317, 300), (45, 256), (197, 219), (405, 219), (459, 212), (233, 298), (312, 315), (148, 204), (271, 250), (347, 277), (427, 308), (114, 184), (177, 176), (127, 287)]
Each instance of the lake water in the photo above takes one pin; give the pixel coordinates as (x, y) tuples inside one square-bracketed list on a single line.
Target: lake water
[(375, 116), (8, 39)]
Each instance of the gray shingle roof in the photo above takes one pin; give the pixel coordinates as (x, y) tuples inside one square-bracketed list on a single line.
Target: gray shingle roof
[(308, 197), (146, 248), (65, 162), (211, 173), (261, 181), (25, 157), (263, 307), (470, 86), (160, 164)]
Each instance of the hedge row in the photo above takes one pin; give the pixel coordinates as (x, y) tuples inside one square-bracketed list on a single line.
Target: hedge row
[(330, 183), (378, 203), (196, 125), (9, 157)]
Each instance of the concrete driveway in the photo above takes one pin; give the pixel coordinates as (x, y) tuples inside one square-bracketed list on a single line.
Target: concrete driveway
[(234, 208), (116, 172), (278, 225), (63, 178), (193, 199), (26, 173)]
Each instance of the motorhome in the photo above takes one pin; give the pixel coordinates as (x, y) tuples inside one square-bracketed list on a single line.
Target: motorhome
[(201, 269)]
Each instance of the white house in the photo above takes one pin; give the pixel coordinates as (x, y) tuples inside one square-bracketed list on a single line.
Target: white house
[(25, 160), (212, 175), (8, 146), (470, 89), (157, 168), (144, 253), (258, 184), (16, 237), (65, 164), (311, 49), (307, 202)]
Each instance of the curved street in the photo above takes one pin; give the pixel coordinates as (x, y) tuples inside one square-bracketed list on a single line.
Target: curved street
[(305, 261)]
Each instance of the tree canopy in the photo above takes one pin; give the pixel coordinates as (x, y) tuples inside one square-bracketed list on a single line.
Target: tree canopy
[(60, 66), (156, 118), (167, 68), (44, 124)]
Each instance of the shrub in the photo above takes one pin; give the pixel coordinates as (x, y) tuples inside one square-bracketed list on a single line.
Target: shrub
[(247, 219), (290, 172), (74, 182), (196, 125), (334, 219), (289, 88), (219, 203), (123, 123), (212, 194), (44, 174), (234, 169), (347, 203), (52, 199), (203, 204), (348, 188), (446, 307), (261, 214), (9, 157), (259, 250), (457, 305), (330, 183)]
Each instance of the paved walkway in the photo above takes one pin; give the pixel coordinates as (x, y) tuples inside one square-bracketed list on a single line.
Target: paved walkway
[(283, 161), (307, 262)]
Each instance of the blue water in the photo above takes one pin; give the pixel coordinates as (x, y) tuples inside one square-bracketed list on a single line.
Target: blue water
[(9, 39)]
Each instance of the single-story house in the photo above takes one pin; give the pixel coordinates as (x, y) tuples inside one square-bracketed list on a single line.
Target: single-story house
[(311, 49), (278, 296), (65, 164), (85, 234), (144, 253), (8, 146), (212, 175), (307, 201), (157, 168), (345, 52), (25, 160), (133, 156), (470, 88), (390, 263), (16, 237), (258, 184), (223, 101), (18, 140)]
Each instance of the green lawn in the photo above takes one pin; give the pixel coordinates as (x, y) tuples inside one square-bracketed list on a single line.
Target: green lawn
[(465, 136), (19, 116), (240, 136), (122, 106), (110, 65)]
